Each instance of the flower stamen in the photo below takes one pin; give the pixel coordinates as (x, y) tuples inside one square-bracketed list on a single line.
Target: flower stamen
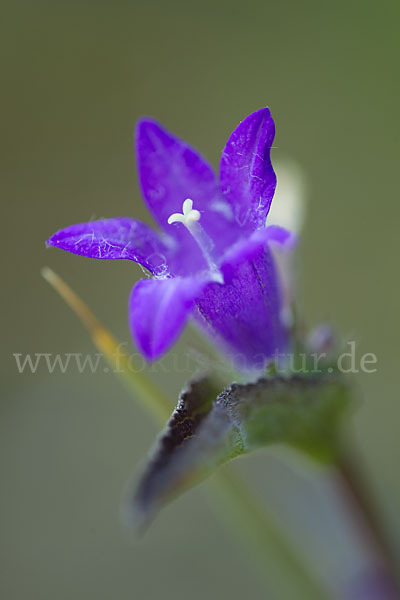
[(190, 219)]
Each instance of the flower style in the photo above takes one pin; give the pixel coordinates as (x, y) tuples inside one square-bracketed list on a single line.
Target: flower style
[(212, 259)]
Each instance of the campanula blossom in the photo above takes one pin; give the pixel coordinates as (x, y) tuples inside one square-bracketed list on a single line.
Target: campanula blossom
[(211, 259)]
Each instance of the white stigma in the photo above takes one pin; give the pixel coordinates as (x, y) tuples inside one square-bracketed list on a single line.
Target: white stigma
[(190, 217)]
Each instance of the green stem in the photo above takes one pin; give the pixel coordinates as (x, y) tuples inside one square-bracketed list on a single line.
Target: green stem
[(361, 505), (287, 575)]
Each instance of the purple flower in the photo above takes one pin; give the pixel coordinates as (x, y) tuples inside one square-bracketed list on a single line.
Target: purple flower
[(212, 260)]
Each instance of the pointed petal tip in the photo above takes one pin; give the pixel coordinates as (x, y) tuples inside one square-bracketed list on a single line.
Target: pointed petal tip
[(150, 353), (145, 125), (144, 122), (282, 236), (151, 137), (151, 349), (57, 236), (264, 111), (53, 240), (259, 114)]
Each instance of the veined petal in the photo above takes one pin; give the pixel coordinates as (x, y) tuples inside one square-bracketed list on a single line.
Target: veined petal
[(119, 238), (170, 171), (158, 311), (247, 178), (244, 314)]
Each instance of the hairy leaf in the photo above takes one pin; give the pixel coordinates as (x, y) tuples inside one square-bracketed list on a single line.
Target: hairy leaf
[(207, 429)]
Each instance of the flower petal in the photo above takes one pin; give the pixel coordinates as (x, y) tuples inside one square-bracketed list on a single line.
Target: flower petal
[(158, 310), (244, 314), (247, 178), (119, 238), (249, 248), (170, 171), (279, 235)]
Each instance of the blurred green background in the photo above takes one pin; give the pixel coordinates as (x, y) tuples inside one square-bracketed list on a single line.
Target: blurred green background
[(76, 77)]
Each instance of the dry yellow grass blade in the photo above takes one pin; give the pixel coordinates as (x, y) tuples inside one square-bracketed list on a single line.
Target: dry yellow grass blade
[(149, 394)]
